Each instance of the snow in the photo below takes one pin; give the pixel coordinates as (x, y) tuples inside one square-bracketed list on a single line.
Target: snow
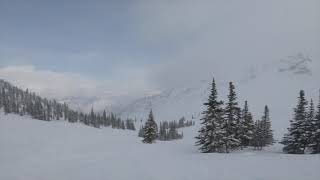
[(38, 150), (266, 85)]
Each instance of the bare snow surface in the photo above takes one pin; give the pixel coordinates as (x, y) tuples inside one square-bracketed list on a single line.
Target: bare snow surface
[(38, 150)]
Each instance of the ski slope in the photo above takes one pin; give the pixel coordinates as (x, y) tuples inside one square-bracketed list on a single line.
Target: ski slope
[(38, 150)]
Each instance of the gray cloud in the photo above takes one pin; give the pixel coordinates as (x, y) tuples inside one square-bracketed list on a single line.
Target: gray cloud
[(82, 90), (177, 43), (225, 37)]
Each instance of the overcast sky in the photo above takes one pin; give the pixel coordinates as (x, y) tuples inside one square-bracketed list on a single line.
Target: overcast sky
[(79, 47)]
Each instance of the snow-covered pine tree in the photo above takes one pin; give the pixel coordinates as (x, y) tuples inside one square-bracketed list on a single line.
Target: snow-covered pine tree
[(247, 126), (113, 120), (150, 130), (267, 133), (210, 138), (130, 125), (92, 118), (162, 132), (181, 122), (104, 118), (315, 140), (231, 140), (6, 103), (310, 124), (18, 101), (172, 133), (295, 140), (256, 142), (239, 126)]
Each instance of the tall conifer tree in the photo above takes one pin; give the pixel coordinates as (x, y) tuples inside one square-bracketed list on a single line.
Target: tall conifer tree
[(295, 140), (310, 124), (267, 133), (231, 140), (210, 138), (247, 126), (315, 139), (150, 130)]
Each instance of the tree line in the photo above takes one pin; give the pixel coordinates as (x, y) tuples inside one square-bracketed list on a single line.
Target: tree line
[(304, 132), (24, 102), (226, 127), (167, 131)]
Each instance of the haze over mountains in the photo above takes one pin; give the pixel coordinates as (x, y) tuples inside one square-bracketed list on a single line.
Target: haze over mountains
[(275, 83)]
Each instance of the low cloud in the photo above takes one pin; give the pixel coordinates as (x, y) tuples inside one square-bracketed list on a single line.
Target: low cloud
[(224, 38), (84, 91), (170, 44), (48, 83)]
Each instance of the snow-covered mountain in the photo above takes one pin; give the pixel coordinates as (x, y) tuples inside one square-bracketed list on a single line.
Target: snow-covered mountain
[(275, 84), (80, 103), (169, 104)]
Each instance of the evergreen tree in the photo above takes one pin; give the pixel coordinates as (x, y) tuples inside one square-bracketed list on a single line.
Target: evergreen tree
[(169, 131), (122, 125), (182, 122), (315, 139), (247, 126), (296, 139), (267, 133), (310, 124), (130, 124), (24, 102), (239, 126), (231, 140), (257, 135), (172, 133), (5, 101), (211, 133), (162, 132), (105, 119), (92, 118), (150, 130), (86, 120), (113, 120)]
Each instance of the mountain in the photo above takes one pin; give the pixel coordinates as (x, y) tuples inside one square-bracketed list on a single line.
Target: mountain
[(24, 102), (85, 103), (275, 84), (169, 104)]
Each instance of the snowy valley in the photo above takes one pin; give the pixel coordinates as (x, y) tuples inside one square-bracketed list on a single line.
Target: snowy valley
[(58, 149), (159, 90), (33, 149)]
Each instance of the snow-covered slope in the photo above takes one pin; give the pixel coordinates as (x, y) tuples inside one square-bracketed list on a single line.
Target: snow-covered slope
[(170, 104), (275, 84), (38, 150)]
